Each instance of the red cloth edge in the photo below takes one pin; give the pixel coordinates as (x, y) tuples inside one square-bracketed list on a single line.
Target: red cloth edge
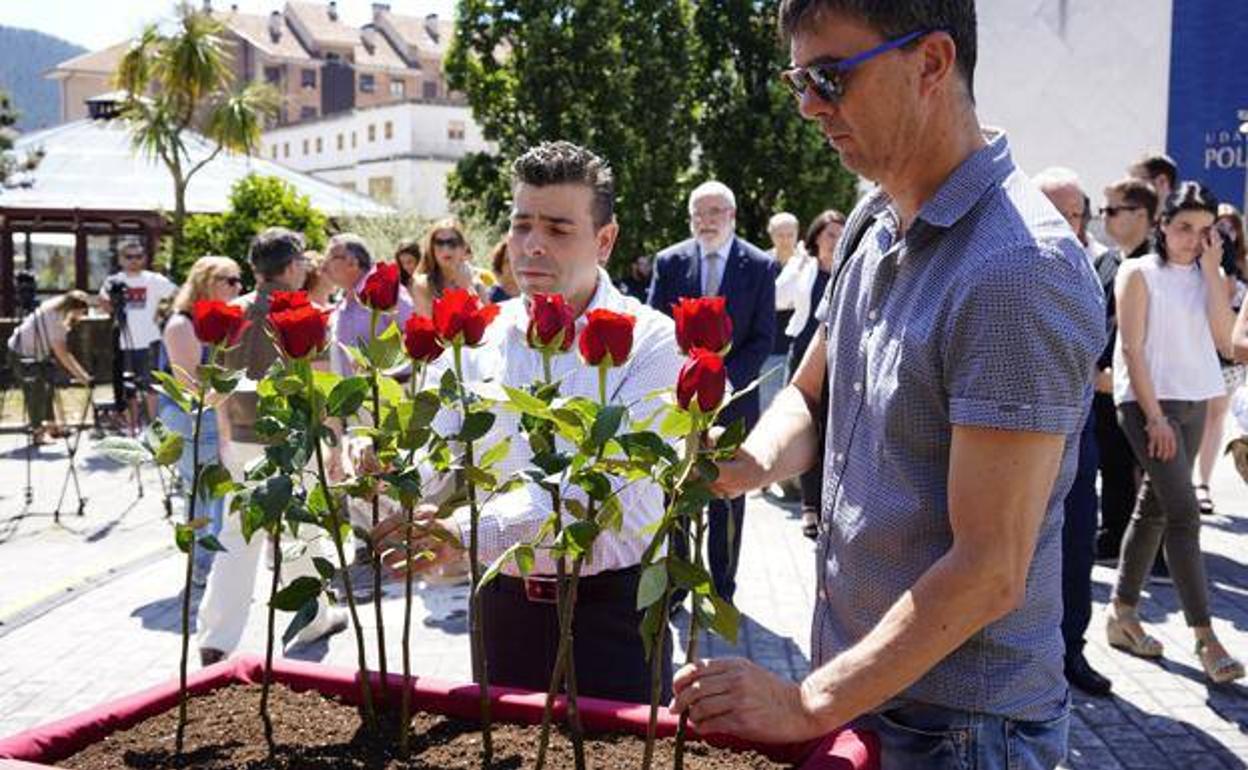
[(842, 750)]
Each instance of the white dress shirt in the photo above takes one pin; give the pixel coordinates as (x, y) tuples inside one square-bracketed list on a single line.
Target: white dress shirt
[(503, 357)]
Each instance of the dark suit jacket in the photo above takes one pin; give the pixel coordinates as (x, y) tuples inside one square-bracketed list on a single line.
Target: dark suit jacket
[(749, 286)]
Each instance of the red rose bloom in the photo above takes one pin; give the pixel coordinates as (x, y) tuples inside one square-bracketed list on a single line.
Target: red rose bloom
[(549, 318), (300, 330), (702, 322), (607, 334), (459, 316), (288, 300), (381, 287), (420, 339), (702, 377), (217, 322)]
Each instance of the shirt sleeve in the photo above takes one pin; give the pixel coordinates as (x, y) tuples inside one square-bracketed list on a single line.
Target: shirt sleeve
[(1021, 342)]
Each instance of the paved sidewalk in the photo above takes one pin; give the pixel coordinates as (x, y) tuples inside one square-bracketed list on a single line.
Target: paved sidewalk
[(89, 610)]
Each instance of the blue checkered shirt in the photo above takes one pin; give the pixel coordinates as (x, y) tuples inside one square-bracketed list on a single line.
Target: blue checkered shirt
[(987, 313)]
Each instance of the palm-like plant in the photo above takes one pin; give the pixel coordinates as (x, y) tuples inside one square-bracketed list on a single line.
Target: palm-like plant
[(180, 84)]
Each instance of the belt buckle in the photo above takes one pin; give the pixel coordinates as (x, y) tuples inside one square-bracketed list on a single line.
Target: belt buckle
[(541, 590)]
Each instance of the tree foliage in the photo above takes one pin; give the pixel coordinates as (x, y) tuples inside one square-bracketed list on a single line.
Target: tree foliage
[(256, 202), (179, 84), (671, 92)]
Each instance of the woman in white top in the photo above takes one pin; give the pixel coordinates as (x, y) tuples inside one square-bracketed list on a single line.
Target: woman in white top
[(40, 337), (1173, 320)]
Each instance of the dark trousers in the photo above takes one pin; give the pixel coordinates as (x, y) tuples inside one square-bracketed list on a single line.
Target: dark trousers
[(1119, 471), (522, 639), (1079, 543), (723, 547)]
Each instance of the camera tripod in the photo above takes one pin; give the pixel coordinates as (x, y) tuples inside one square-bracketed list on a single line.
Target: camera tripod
[(34, 371)]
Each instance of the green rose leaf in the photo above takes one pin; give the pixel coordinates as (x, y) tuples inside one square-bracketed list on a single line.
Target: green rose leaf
[(652, 585), (305, 615), (347, 397), (476, 425), (294, 596)]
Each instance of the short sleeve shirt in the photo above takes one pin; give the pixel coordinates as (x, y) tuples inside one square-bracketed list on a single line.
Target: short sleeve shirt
[(144, 294), (986, 312)]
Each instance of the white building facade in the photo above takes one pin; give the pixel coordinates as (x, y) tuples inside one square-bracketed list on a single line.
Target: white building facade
[(400, 154)]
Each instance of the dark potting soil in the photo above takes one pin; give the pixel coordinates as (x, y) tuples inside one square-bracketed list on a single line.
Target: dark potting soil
[(313, 732)]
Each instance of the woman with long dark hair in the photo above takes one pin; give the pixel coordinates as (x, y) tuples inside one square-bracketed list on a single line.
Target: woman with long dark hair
[(1174, 318)]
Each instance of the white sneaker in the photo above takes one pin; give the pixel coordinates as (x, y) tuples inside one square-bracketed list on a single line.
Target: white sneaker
[(330, 621)]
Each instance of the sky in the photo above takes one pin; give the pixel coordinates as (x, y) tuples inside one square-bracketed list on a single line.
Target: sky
[(96, 24)]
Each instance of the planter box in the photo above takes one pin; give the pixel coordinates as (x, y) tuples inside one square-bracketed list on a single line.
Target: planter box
[(48, 744)]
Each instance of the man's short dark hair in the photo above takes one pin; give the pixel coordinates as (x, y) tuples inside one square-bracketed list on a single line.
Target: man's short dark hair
[(1136, 192), (894, 18), (551, 163), (273, 250), (1159, 165), (353, 245)]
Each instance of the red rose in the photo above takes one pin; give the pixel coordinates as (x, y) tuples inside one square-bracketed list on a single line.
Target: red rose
[(300, 331), (703, 377), (288, 300), (552, 323), (702, 322), (459, 316), (420, 339), (381, 287), (607, 338), (217, 322)]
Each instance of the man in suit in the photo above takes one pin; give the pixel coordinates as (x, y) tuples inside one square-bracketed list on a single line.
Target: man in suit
[(716, 262)]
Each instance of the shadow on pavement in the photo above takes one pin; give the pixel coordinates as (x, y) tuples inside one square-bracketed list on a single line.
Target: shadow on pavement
[(1107, 729), (779, 654), (166, 614)]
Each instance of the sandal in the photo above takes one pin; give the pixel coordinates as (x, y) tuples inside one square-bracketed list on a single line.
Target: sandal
[(810, 524), (1204, 500), (1123, 637), (1222, 670)]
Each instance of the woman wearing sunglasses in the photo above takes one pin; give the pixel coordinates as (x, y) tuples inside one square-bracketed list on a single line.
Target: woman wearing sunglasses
[(211, 278), (1174, 318), (445, 264)]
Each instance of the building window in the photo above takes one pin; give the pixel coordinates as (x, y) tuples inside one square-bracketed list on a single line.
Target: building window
[(388, 130), (455, 131), (398, 88), (353, 140), (274, 150), (319, 146), (273, 75), (430, 89), (348, 186), (372, 132), (307, 78), (307, 113), (381, 188), (305, 146), (285, 149), (339, 142), (368, 84)]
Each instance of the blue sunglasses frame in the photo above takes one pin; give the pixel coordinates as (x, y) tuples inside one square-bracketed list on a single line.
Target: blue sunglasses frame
[(828, 80)]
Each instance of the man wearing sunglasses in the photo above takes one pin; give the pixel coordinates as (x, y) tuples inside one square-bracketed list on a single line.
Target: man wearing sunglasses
[(957, 345), (144, 290)]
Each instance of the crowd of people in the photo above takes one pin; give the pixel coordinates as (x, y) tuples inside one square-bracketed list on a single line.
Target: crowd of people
[(946, 373)]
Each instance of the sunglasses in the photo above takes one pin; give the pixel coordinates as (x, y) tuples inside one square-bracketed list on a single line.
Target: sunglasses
[(232, 280), (130, 257), (1113, 211), (828, 79), (449, 243)]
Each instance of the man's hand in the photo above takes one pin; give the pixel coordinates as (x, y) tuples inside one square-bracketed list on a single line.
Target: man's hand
[(739, 475), (427, 544), (1105, 381), (738, 697)]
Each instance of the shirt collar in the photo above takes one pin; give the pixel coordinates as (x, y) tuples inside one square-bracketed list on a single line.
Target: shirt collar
[(723, 250), (987, 167)]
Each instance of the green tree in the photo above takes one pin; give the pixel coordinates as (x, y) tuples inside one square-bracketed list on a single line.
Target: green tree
[(749, 133), (179, 84), (256, 202), (612, 75)]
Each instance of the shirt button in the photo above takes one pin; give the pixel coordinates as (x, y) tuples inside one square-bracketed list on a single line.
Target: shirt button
[(838, 457), (857, 387), (874, 314)]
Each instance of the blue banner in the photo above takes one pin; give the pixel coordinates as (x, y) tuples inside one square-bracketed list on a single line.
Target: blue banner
[(1209, 95)]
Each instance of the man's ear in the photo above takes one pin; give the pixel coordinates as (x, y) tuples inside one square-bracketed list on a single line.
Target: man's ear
[(939, 58), (605, 240)]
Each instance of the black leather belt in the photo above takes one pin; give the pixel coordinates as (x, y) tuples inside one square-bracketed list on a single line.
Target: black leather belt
[(609, 586)]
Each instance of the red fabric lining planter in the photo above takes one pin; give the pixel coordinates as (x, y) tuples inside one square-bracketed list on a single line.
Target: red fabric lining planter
[(843, 750)]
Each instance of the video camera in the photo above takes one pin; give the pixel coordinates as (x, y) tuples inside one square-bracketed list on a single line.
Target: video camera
[(116, 290), (27, 291)]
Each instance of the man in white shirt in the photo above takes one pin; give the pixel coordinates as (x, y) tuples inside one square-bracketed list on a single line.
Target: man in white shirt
[(143, 291), (562, 227)]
